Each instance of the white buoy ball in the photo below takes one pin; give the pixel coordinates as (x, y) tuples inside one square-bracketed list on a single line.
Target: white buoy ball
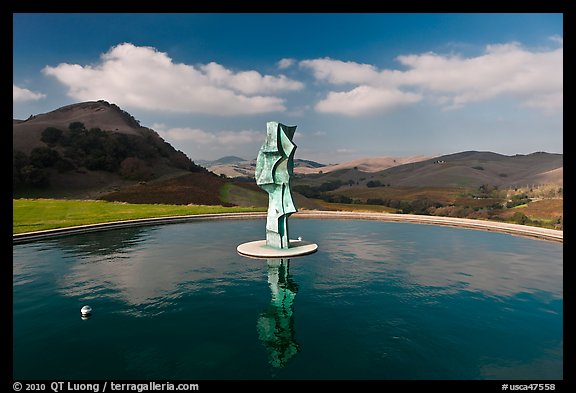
[(86, 310)]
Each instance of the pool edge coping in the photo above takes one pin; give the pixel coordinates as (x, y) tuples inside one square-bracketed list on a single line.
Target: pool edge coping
[(466, 223)]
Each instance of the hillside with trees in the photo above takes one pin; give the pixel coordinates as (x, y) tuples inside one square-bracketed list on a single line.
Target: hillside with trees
[(95, 150), (53, 149), (524, 189)]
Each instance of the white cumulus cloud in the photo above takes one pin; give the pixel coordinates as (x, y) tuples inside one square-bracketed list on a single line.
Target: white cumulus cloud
[(365, 100), (248, 82), (20, 94), (508, 69), (342, 72), (285, 63), (202, 137), (533, 77), (143, 77)]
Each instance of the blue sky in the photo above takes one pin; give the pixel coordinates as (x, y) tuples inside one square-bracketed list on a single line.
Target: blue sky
[(356, 85)]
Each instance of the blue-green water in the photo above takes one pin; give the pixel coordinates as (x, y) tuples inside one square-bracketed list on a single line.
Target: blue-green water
[(377, 301)]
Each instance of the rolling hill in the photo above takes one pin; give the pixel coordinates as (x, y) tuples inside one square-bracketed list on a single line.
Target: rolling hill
[(95, 150), (232, 166), (475, 168), (88, 149), (524, 189), (101, 114), (370, 164), (465, 169)]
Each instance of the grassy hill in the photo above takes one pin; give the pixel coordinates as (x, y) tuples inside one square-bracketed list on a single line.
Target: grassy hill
[(237, 167), (471, 184), (472, 169), (465, 169), (369, 164), (95, 150), (190, 188), (88, 149)]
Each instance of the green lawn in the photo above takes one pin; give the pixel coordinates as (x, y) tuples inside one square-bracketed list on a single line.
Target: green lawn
[(243, 196), (350, 207), (40, 214)]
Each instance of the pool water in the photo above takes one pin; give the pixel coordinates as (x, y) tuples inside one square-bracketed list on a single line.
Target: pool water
[(377, 301)]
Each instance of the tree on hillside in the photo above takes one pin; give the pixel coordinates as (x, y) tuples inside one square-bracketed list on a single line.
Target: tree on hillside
[(43, 157), (19, 161), (51, 136), (76, 126), (35, 176)]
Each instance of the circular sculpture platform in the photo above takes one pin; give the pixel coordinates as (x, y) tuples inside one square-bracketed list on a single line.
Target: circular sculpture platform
[(259, 249)]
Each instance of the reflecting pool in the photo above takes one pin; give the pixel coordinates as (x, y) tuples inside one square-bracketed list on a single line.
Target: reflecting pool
[(378, 300)]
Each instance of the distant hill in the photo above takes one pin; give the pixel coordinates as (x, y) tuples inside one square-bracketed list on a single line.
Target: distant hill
[(228, 160), (464, 169), (236, 167), (475, 168), (232, 169), (300, 164), (370, 164), (89, 149), (232, 166), (93, 114), (95, 150)]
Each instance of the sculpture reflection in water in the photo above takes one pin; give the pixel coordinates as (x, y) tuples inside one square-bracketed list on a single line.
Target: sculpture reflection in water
[(276, 324)]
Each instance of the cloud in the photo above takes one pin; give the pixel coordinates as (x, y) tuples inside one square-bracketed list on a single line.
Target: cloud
[(248, 82), (557, 39), (507, 69), (285, 63), (143, 77), (365, 100), (20, 94), (202, 137), (533, 78), (341, 72)]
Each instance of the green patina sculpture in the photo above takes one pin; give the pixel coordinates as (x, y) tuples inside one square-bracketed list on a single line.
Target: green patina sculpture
[(274, 168)]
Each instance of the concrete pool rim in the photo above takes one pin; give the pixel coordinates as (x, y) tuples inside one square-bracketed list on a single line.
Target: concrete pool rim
[(465, 223)]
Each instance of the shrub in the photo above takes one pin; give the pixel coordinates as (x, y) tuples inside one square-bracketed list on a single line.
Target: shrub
[(63, 165), (133, 168), (43, 157), (517, 200), (520, 218), (19, 161), (51, 136), (307, 191), (330, 186), (35, 177), (76, 126)]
